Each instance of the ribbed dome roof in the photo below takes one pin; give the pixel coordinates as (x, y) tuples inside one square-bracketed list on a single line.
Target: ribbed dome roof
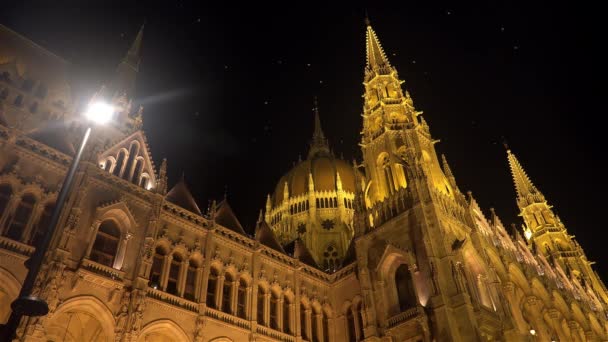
[(324, 170)]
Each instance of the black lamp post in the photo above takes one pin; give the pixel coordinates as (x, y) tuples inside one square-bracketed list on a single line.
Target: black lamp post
[(26, 304)]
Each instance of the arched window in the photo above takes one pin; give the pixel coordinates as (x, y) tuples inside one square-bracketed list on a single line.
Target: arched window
[(260, 306), (405, 288), (106, 243), (286, 315), (4, 94), (211, 288), (108, 165), (350, 321), (227, 293), (16, 225), (274, 310), (330, 258), (174, 271), (143, 181), (139, 165), (191, 280), (42, 226), (157, 267), (325, 322), (119, 163), (314, 319), (133, 150), (5, 196), (359, 317), (303, 322), (241, 308)]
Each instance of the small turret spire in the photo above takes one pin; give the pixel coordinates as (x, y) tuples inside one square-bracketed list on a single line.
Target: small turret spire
[(523, 184), (376, 58), (318, 143)]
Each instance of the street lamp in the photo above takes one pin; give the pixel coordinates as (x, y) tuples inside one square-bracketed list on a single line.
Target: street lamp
[(26, 304)]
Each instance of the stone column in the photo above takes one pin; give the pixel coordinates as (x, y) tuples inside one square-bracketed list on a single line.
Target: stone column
[(183, 274), (91, 238), (34, 218), (121, 251), (164, 277), (219, 291)]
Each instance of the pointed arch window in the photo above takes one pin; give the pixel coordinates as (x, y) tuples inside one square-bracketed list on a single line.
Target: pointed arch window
[(330, 258), (17, 224), (227, 293), (105, 246), (314, 320), (405, 288), (139, 165), (108, 165), (5, 196), (211, 288), (133, 150), (119, 163), (303, 322), (42, 226), (260, 306), (189, 290), (174, 272), (350, 321), (325, 322), (286, 315), (359, 317), (241, 309), (274, 310), (157, 267)]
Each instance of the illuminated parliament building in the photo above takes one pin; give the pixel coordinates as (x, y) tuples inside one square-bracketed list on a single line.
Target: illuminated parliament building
[(386, 248)]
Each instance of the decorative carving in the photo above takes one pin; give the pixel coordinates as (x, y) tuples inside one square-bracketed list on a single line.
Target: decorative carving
[(200, 328), (328, 224)]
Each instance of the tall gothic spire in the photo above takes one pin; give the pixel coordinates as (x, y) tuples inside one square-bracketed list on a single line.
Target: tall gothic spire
[(318, 144), (526, 191), (376, 58), (126, 73)]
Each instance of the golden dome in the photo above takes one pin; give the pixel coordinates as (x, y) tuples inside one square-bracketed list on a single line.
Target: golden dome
[(324, 169)]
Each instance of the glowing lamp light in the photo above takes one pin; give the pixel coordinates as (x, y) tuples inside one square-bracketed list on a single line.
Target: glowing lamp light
[(528, 234), (532, 332), (100, 112)]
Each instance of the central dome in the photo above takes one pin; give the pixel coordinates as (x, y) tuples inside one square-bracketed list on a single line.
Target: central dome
[(324, 169)]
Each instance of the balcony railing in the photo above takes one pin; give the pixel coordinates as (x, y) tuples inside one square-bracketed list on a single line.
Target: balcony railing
[(402, 317), (172, 300), (102, 270), (277, 335), (228, 318), (16, 246)]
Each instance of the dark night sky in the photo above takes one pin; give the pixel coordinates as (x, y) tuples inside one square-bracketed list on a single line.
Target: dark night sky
[(228, 91)]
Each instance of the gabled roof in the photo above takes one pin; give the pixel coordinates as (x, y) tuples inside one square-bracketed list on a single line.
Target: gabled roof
[(302, 253), (265, 236), (225, 216), (181, 195), (55, 135)]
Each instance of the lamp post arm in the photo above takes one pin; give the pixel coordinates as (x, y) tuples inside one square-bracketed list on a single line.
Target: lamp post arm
[(35, 262)]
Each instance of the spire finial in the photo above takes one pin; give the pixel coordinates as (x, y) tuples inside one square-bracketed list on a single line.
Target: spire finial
[(319, 143), (124, 80), (366, 20)]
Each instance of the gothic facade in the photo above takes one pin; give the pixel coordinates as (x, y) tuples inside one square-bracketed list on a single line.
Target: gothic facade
[(384, 249)]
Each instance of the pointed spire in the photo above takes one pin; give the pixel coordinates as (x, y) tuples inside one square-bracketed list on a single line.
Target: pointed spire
[(376, 58), (126, 73), (318, 143), (523, 184)]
